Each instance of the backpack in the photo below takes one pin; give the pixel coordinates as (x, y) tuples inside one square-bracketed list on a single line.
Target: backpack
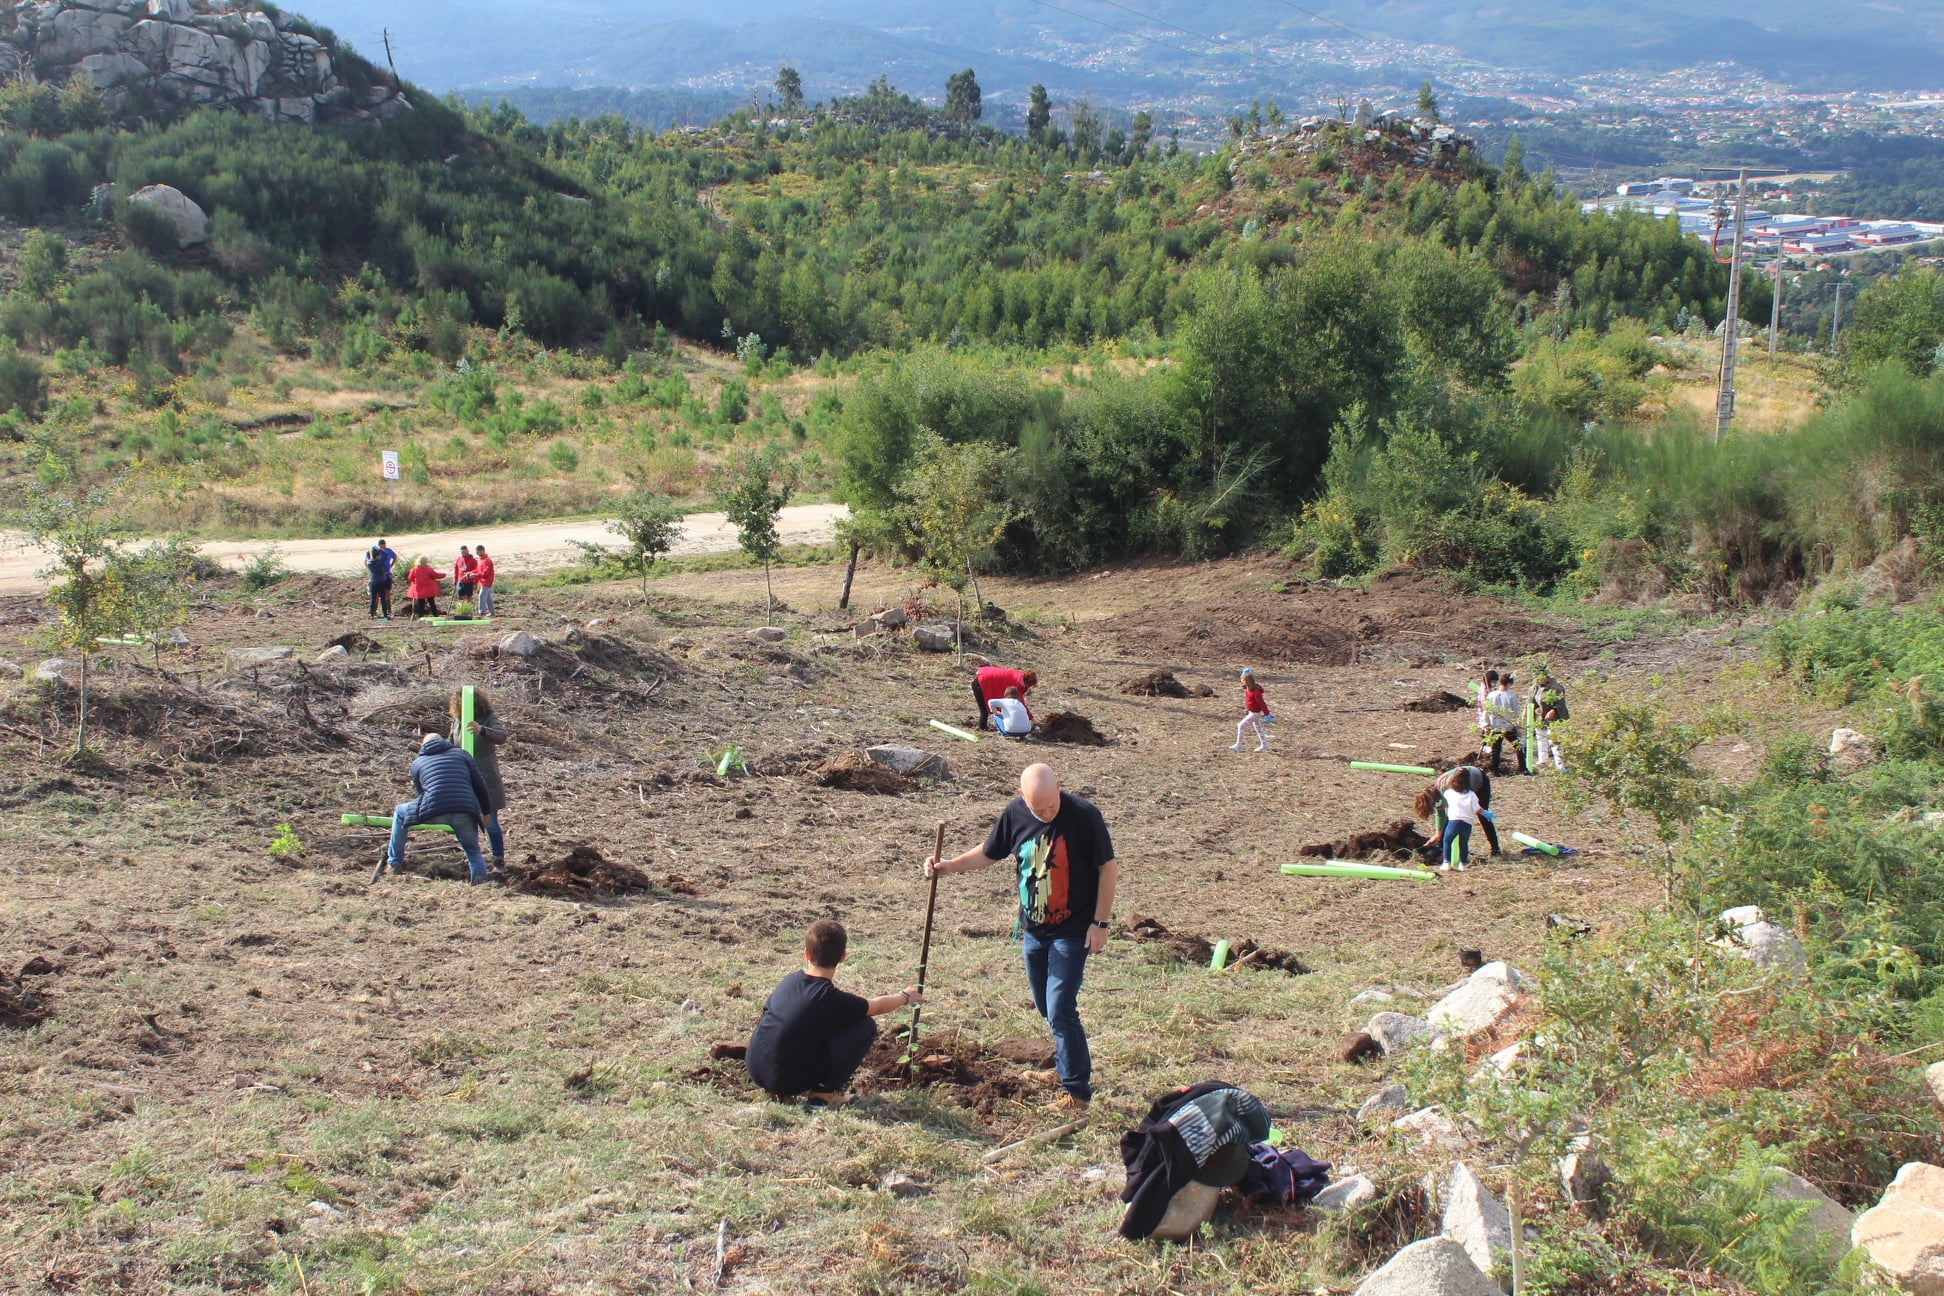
[(375, 564), (1282, 1178)]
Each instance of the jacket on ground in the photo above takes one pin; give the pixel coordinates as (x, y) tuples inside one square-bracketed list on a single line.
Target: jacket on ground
[(448, 782), (1183, 1129)]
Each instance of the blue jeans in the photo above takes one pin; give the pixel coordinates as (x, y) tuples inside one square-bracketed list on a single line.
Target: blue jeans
[(1459, 831), (484, 607), (1054, 970), (465, 830), (495, 837)]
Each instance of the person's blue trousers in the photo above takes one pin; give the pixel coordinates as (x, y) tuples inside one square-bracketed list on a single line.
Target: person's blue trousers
[(1054, 970), (465, 830)]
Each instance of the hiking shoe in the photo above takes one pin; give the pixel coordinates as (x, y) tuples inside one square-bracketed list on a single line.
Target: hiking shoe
[(1444, 868), (825, 1101), (1070, 1104), (1050, 1076)]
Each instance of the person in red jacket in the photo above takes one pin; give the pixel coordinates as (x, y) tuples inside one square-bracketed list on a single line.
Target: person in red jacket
[(1255, 712), (422, 586), (483, 576), (463, 569), (992, 682)]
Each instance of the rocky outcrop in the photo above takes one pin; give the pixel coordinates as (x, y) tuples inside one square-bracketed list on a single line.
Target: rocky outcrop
[(146, 53)]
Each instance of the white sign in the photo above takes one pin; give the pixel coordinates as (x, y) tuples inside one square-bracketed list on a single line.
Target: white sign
[(391, 464)]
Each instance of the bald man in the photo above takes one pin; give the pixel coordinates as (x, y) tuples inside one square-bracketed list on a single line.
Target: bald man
[(1067, 872)]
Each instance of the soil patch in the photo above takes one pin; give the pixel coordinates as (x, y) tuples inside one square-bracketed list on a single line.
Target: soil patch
[(1156, 683), (583, 873), (1438, 702), (1402, 613), (1401, 840), (853, 771), (1073, 728), (21, 1008), (982, 1079), (1198, 951)]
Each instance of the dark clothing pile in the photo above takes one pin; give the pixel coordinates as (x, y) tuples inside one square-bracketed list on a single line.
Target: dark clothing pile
[(1282, 1178), (1181, 1134), (448, 782)]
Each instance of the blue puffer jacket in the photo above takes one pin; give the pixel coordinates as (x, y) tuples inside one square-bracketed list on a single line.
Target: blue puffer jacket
[(448, 782)]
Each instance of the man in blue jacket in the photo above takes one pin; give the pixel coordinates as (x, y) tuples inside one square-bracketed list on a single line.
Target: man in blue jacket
[(451, 791)]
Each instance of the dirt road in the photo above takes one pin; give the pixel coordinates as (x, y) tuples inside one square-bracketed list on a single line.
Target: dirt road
[(522, 547)]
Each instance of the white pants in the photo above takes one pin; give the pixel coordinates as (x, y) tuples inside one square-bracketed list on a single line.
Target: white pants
[(1261, 730), (1542, 744)]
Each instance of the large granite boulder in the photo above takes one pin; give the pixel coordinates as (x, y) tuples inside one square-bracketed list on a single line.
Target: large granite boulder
[(195, 52), (179, 209), (1904, 1232)]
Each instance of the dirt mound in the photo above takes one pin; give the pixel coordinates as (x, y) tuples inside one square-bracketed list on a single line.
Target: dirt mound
[(1071, 727), (853, 771), (1198, 951), (581, 874), (982, 1079), (357, 643), (21, 1008), (1156, 683), (1399, 841), (230, 721), (1402, 613), (1440, 701)]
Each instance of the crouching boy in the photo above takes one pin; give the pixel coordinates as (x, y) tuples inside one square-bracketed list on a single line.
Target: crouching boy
[(813, 1036)]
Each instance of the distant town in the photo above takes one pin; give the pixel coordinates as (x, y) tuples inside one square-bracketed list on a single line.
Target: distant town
[(1712, 218)]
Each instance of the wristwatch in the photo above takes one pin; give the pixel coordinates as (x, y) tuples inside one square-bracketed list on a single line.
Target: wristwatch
[(1099, 923)]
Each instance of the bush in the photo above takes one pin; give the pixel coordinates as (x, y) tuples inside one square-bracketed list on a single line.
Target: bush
[(22, 384), (562, 458)]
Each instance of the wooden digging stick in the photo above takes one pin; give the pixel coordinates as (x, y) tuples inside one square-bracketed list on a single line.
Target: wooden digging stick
[(924, 948)]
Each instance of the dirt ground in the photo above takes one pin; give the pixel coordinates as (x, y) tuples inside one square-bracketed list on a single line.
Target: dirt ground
[(256, 1072)]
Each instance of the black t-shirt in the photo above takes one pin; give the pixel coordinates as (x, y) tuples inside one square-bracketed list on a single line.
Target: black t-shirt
[(1058, 863), (790, 1047)]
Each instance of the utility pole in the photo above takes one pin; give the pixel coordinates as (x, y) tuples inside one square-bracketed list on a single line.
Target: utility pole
[(1775, 306), (1836, 318), (1725, 396), (389, 61)]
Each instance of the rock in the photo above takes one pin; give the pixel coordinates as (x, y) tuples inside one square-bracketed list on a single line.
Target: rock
[(940, 636), (1499, 1066), (1752, 936), (891, 618), (1358, 1046), (1933, 1078), (1346, 1193), (335, 653), (248, 658), (1190, 1208), (866, 629), (912, 762), (1432, 1128), (1850, 750), (679, 644), (1485, 999), (50, 671), (1827, 1223), (10, 670), (1583, 1176), (1434, 1267), (1387, 1104), (902, 1185), (190, 221), (1904, 1232), (1396, 1031), (769, 634), (522, 644), (143, 55), (1475, 1219), (1371, 996)]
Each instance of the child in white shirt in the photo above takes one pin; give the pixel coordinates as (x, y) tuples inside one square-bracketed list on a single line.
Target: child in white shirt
[(1010, 717), (1461, 816)]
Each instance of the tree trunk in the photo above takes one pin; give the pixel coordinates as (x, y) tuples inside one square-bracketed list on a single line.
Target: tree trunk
[(81, 734), (769, 595), (850, 574), (958, 630)]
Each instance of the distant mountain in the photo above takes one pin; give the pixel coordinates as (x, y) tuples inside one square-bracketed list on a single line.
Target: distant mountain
[(1216, 53)]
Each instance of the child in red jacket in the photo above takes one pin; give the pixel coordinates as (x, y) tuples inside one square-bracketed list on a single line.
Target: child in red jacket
[(1255, 712)]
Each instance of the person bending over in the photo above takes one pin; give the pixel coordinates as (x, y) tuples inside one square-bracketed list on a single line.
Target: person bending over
[(451, 791), (990, 682), (813, 1036)]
